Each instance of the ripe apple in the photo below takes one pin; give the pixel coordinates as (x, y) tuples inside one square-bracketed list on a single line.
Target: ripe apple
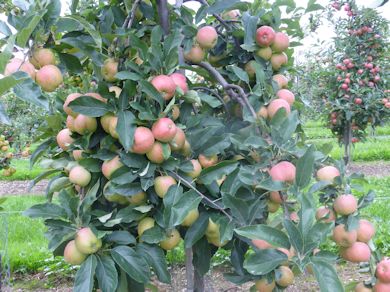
[(286, 276), (42, 57), (381, 287), (64, 139), (207, 37), (272, 207), (77, 154), (16, 64), (70, 123), (197, 169), (162, 185), (276, 197), (283, 171), (345, 204), (49, 77), (263, 285), (277, 104), (383, 271), (342, 237), (265, 53), (278, 60), (143, 140), (145, 224), (231, 14), (360, 287), (175, 112), (72, 255), (287, 95), (327, 173), (207, 161), (79, 176), (265, 36), (191, 217), (87, 242), (356, 253), (156, 153), (83, 124), (325, 214), (178, 141), (173, 239), (66, 107), (165, 85), (281, 42), (195, 55), (105, 121), (180, 81), (365, 231), (109, 69), (263, 112), (110, 166), (281, 80), (164, 130)]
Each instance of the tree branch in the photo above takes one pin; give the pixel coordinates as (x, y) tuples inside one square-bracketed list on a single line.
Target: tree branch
[(130, 18), (189, 185), (163, 14), (215, 94)]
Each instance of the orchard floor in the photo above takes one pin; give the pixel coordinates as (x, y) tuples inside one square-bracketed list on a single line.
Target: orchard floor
[(303, 283)]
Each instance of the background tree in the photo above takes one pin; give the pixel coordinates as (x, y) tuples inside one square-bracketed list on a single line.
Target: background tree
[(142, 156)]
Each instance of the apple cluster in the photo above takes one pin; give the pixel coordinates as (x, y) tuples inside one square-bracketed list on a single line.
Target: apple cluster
[(206, 39), (5, 157), (41, 68)]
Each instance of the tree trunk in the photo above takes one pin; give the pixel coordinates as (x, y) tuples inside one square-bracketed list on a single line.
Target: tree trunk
[(347, 144), (163, 14), (189, 270)]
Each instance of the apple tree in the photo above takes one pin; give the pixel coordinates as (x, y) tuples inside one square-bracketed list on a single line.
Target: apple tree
[(358, 94), (170, 126)]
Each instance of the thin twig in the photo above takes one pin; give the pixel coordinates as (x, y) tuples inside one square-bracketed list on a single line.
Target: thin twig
[(215, 94), (189, 185)]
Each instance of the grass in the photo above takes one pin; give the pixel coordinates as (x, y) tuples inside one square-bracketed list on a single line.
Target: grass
[(23, 171)]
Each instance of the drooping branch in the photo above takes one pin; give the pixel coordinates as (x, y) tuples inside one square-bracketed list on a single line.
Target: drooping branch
[(189, 185), (163, 14), (130, 18)]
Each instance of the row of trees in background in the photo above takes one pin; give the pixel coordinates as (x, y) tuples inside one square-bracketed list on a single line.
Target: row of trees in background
[(185, 129)]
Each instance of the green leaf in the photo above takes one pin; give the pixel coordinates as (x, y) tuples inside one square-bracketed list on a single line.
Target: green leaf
[(39, 151), (121, 237), (72, 63), (126, 128), (196, 230), (326, 276), (209, 99), (4, 29), (106, 273), (4, 119), (150, 91), (221, 5), (84, 278), (135, 266), (89, 28), (46, 211), (295, 235), (155, 257), (29, 91), (25, 33), (213, 173), (305, 166), (89, 106), (6, 83), (126, 75), (264, 261), (270, 234), (240, 73), (250, 26)]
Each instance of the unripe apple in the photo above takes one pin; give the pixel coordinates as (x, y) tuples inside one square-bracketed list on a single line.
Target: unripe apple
[(250, 69), (84, 124), (327, 173), (231, 14), (178, 141), (325, 214), (162, 184), (16, 64), (207, 161), (110, 166), (180, 81), (283, 171), (265, 36), (265, 53), (165, 85), (286, 276), (164, 130), (70, 123), (114, 198), (360, 287), (277, 104), (42, 57), (72, 255), (356, 253), (345, 204), (191, 217), (137, 199), (278, 60), (197, 169), (365, 231), (263, 112), (342, 237), (207, 37), (105, 121), (272, 206), (263, 285), (87, 242), (195, 55), (77, 154), (156, 153), (49, 77), (79, 176), (109, 69), (175, 112), (276, 197), (280, 43), (64, 139), (261, 244), (112, 127), (186, 150), (281, 80), (173, 239), (143, 140), (212, 230), (66, 107), (287, 95), (145, 224)]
